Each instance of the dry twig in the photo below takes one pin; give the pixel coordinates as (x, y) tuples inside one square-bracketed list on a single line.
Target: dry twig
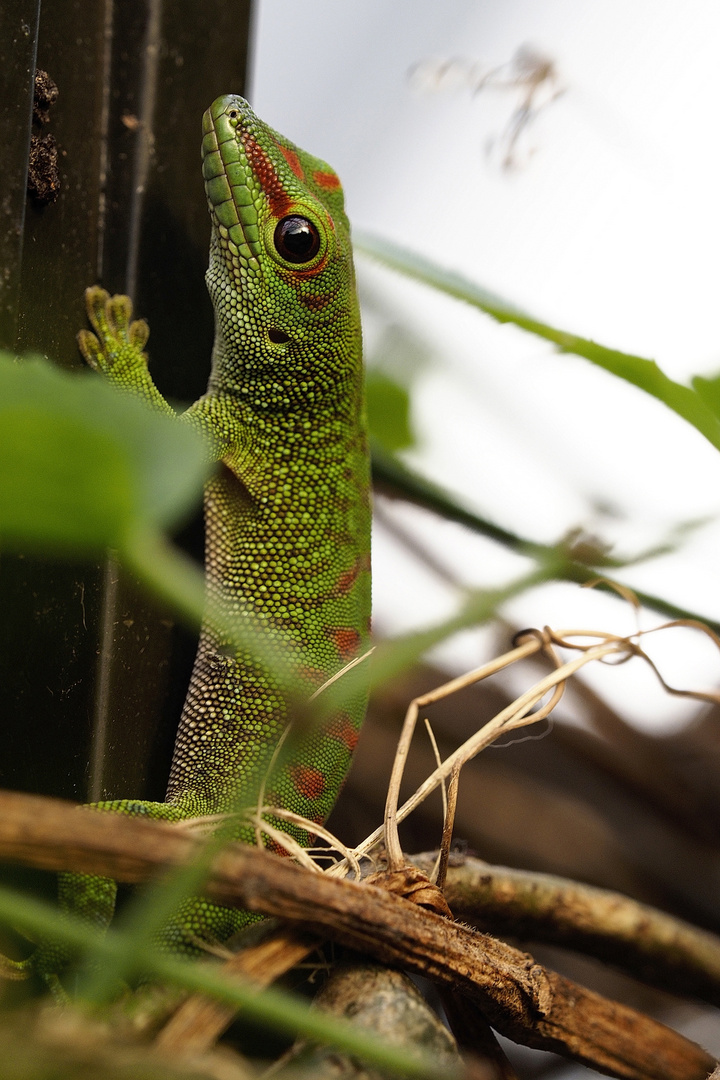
[(645, 943), (521, 999)]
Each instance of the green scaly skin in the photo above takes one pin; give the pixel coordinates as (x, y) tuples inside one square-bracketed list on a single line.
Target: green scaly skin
[(287, 514)]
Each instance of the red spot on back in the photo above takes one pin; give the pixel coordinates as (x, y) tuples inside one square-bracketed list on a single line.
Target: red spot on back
[(293, 161), (314, 676), (347, 579), (326, 180), (308, 781), (276, 848), (266, 173), (345, 639), (341, 728)]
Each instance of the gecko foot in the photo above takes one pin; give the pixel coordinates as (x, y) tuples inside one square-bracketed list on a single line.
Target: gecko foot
[(116, 347)]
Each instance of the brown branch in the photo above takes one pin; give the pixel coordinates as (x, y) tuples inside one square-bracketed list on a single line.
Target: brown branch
[(644, 942), (475, 1036), (521, 999), (384, 1003)]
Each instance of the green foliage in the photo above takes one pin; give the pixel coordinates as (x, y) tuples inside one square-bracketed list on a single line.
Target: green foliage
[(388, 409), (709, 391), (698, 404), (84, 468)]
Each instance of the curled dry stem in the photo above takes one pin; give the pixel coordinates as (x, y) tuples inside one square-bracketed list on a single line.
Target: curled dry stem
[(605, 647), (312, 827), (514, 716)]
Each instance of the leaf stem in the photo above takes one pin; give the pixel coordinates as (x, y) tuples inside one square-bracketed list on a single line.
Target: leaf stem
[(643, 373)]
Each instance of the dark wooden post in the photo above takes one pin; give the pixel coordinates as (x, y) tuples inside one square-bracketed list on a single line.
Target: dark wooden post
[(92, 673)]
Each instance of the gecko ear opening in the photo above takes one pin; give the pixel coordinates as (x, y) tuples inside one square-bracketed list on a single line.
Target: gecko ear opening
[(278, 337)]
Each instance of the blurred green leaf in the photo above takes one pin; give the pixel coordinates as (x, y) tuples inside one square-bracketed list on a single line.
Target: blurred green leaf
[(692, 403), (388, 408), (84, 467), (709, 391)]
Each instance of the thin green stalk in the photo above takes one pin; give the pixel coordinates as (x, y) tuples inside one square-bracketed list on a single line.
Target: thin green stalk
[(394, 656), (643, 373), (417, 489), (167, 572), (388, 471)]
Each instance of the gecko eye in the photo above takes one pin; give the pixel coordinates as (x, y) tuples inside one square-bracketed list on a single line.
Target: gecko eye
[(296, 239)]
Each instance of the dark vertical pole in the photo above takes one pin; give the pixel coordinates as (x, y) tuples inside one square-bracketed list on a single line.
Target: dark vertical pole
[(18, 47), (92, 673)]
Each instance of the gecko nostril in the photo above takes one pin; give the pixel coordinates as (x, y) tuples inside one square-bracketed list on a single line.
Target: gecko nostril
[(278, 337)]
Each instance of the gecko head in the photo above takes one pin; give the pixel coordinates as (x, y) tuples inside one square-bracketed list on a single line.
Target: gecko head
[(281, 274)]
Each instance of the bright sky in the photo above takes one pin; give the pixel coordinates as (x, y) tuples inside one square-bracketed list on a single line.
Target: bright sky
[(608, 226)]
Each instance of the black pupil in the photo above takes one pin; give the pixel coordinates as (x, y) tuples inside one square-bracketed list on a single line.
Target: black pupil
[(296, 239)]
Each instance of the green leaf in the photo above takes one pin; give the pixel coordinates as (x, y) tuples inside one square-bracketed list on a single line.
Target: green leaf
[(388, 409), (84, 467), (709, 391), (690, 403)]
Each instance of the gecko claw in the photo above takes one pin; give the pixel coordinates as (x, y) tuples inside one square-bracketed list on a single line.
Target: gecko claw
[(118, 311), (90, 348), (138, 334), (15, 969)]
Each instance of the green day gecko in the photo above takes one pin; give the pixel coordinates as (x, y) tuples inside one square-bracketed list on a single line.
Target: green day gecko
[(287, 513)]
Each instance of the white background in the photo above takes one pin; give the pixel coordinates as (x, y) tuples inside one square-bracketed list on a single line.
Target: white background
[(608, 227)]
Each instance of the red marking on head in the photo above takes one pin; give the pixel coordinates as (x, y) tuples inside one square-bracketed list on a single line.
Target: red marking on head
[(315, 303), (326, 180), (315, 270), (308, 781), (345, 639), (266, 173), (293, 161), (341, 728)]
